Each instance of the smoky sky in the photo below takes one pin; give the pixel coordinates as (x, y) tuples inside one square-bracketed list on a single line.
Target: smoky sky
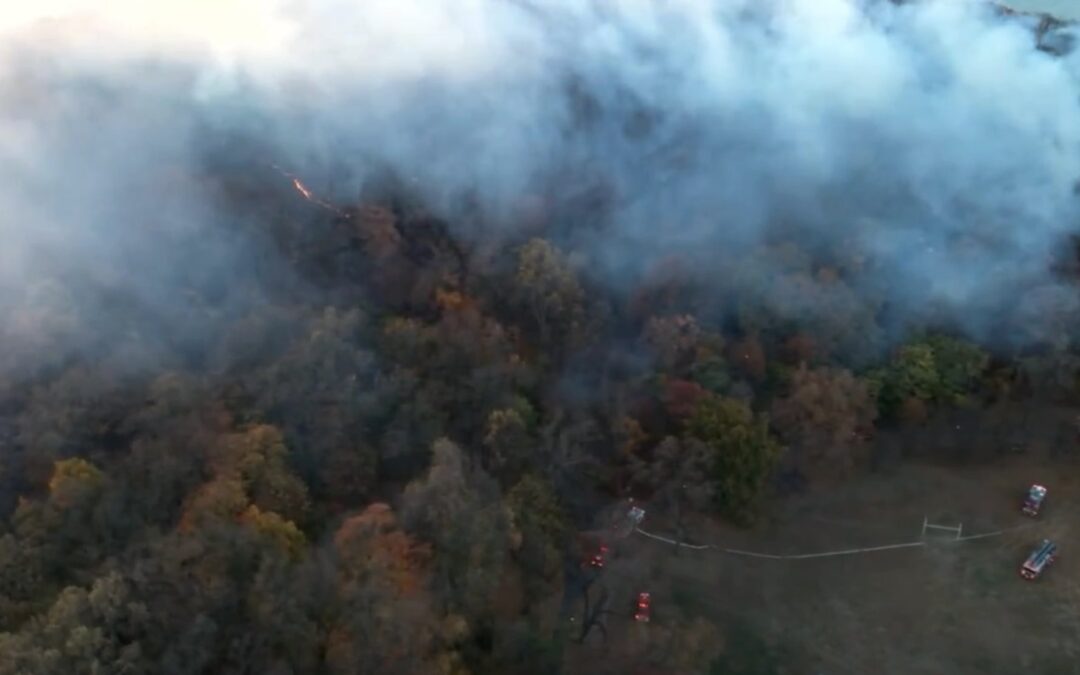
[(932, 141)]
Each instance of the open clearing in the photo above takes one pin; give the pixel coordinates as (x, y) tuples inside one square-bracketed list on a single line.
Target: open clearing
[(948, 607)]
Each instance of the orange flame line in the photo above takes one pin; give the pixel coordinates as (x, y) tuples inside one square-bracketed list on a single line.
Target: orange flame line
[(308, 194), (303, 190)]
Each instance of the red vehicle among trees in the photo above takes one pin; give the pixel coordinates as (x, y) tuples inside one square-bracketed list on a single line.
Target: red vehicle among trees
[(598, 559), (643, 607)]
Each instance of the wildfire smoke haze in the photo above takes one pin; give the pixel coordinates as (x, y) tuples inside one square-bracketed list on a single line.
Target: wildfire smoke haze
[(925, 151)]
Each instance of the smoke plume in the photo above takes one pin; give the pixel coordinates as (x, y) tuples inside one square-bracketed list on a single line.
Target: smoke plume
[(927, 151)]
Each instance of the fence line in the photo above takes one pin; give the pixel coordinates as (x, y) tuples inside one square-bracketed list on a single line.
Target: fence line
[(823, 554)]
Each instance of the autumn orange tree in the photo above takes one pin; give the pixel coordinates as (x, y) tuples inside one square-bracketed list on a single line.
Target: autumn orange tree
[(827, 415)]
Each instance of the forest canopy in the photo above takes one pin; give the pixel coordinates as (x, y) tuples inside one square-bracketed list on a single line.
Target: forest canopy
[(339, 367)]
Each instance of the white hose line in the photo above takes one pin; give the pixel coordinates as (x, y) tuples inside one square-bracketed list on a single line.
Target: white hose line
[(825, 554), (697, 547), (853, 551)]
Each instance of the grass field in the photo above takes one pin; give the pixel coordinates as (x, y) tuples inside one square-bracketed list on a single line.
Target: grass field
[(948, 607)]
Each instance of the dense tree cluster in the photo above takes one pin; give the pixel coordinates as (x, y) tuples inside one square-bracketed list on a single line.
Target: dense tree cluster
[(380, 461)]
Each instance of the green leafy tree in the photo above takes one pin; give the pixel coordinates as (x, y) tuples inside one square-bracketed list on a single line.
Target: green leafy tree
[(959, 366), (95, 631), (321, 394), (64, 536), (711, 372), (460, 512), (910, 376), (547, 287), (744, 453), (509, 445), (934, 370), (677, 471), (678, 474), (75, 482), (69, 416), (22, 581), (541, 527), (257, 458), (464, 366)]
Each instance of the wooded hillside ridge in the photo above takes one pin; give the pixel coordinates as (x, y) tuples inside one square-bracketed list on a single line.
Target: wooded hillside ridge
[(336, 360)]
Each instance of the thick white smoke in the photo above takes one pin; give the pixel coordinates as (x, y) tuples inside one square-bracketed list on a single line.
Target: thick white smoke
[(932, 137)]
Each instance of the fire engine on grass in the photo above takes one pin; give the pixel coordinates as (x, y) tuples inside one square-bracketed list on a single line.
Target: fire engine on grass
[(1041, 558), (1033, 500)]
